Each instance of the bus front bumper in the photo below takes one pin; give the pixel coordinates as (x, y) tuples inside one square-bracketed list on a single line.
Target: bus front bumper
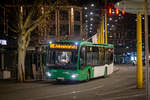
[(62, 76)]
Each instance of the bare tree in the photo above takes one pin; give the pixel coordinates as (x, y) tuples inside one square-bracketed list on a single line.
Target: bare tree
[(26, 26)]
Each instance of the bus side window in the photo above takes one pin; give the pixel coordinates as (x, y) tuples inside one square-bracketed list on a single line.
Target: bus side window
[(95, 55), (82, 56), (101, 56), (89, 59)]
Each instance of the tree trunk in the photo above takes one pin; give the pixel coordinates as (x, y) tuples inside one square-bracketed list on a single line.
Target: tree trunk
[(21, 64)]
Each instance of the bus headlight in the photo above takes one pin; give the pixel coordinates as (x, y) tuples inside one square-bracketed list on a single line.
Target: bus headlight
[(48, 74), (74, 75)]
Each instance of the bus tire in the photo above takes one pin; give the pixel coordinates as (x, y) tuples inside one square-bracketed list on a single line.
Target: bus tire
[(105, 72)]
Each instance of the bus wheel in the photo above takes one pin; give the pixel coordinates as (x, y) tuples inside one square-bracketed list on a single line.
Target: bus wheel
[(105, 73)]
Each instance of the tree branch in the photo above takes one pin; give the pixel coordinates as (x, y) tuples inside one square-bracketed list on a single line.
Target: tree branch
[(39, 20), (12, 29), (28, 20), (21, 19), (27, 40)]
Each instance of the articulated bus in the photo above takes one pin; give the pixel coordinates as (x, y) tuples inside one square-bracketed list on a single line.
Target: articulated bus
[(78, 60)]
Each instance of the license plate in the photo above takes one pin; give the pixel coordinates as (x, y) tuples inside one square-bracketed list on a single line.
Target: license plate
[(60, 78)]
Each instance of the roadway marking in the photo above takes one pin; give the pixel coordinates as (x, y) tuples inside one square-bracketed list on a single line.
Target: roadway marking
[(69, 93)]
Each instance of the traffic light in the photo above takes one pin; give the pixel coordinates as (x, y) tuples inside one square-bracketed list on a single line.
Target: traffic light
[(117, 11), (110, 11), (123, 12)]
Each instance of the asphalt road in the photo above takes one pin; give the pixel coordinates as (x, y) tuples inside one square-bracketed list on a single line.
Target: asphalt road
[(121, 85)]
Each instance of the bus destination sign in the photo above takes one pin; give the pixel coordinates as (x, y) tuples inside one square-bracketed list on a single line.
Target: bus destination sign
[(63, 46)]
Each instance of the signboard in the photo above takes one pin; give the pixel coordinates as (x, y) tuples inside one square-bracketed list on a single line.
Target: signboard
[(63, 46)]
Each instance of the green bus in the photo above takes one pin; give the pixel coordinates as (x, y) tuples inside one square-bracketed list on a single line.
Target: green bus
[(78, 60)]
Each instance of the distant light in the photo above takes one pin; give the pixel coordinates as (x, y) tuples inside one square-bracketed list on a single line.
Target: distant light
[(72, 11), (92, 5), (117, 11), (3, 42), (112, 25), (132, 58), (91, 28), (107, 24), (142, 17), (21, 9), (118, 4), (128, 53), (113, 12), (86, 15), (85, 8), (91, 24), (135, 58), (48, 74), (110, 19), (119, 14), (110, 11), (90, 31), (91, 13), (76, 43), (50, 42), (123, 12), (110, 36), (86, 20), (120, 44), (116, 20), (91, 19)]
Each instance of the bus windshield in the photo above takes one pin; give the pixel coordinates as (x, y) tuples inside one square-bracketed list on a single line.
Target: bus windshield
[(62, 58)]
